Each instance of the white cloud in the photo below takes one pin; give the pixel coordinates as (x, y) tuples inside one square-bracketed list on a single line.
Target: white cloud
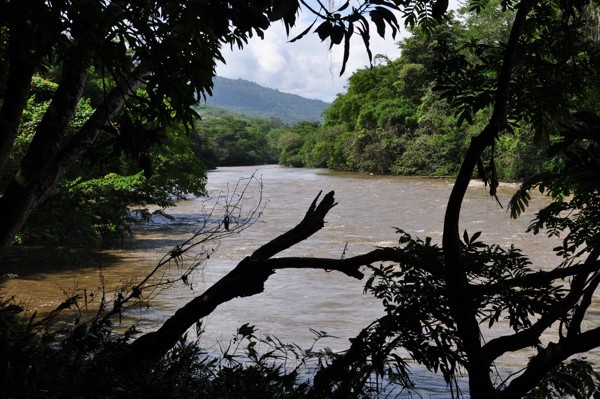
[(305, 67)]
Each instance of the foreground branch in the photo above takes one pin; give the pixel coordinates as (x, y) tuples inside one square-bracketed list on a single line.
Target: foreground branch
[(536, 278), (247, 279), (548, 358)]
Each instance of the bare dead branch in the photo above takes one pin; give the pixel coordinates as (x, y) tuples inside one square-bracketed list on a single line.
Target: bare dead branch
[(247, 279), (198, 248), (313, 221)]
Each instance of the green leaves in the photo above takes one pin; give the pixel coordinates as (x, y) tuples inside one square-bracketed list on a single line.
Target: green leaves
[(233, 140), (477, 5)]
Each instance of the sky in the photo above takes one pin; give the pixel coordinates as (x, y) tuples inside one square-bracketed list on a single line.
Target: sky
[(305, 67)]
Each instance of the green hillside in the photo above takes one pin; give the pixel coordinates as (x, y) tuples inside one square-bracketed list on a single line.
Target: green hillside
[(250, 99)]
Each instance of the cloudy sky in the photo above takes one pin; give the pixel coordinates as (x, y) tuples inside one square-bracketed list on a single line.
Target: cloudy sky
[(304, 67)]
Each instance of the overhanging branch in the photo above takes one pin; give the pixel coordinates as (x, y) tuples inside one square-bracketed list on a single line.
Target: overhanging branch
[(349, 266), (247, 279)]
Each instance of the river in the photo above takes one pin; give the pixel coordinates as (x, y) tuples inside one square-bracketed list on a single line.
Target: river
[(294, 301)]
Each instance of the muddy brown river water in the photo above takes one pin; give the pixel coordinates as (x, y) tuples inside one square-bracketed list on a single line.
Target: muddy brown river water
[(294, 301)]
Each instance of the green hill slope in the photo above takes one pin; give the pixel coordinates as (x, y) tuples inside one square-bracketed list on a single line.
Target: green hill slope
[(250, 99)]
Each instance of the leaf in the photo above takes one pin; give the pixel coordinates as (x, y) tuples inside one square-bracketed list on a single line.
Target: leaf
[(344, 6), (324, 30), (378, 21), (282, 8), (438, 9), (347, 48), (381, 13), (364, 33), (474, 237), (304, 32), (246, 330), (337, 34), (388, 4), (477, 5), (519, 202)]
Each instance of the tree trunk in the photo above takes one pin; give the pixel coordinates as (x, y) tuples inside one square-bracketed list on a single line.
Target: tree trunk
[(20, 72), (51, 153), (459, 293), (47, 160), (24, 53)]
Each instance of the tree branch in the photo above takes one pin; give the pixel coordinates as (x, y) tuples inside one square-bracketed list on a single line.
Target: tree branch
[(530, 336), (548, 358), (586, 300), (536, 278), (312, 222), (348, 266), (247, 279)]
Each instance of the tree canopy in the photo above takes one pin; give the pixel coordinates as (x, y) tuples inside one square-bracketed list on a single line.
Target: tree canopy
[(416, 114), (168, 50), (155, 59)]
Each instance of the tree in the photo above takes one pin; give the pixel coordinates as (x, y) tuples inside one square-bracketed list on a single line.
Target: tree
[(405, 97), (135, 163), (168, 49), (231, 140)]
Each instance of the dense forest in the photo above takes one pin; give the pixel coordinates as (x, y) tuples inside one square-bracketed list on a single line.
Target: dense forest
[(99, 111), (393, 120)]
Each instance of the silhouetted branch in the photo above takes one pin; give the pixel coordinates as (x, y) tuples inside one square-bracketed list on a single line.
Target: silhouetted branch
[(247, 279), (530, 336), (227, 216), (536, 278), (586, 300), (548, 358), (313, 221)]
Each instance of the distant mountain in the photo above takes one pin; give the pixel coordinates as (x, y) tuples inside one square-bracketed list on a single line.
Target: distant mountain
[(250, 99)]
